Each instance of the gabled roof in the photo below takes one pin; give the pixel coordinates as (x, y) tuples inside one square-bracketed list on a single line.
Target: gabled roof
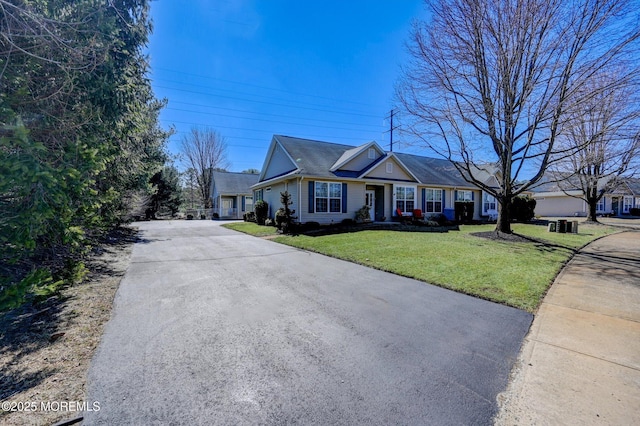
[(557, 182), (634, 186), (234, 183), (313, 158), (433, 171), (350, 154), (324, 159), (393, 156)]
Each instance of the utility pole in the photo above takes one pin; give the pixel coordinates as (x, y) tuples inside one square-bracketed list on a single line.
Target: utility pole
[(391, 128)]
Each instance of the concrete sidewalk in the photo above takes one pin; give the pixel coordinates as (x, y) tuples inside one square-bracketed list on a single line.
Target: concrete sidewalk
[(580, 362)]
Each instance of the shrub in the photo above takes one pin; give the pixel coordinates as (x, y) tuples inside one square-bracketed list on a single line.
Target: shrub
[(261, 210), (249, 217), (464, 211), (363, 214), (349, 222), (634, 211), (523, 209), (284, 215), (439, 218), (280, 217), (189, 217), (311, 226)]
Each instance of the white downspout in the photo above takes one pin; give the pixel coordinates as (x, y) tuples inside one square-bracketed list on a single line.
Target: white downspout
[(300, 198)]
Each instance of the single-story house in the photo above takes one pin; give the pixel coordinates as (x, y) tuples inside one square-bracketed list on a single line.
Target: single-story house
[(231, 194), (564, 199), (329, 182)]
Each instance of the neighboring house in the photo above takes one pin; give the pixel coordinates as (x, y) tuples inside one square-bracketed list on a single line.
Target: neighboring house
[(329, 182), (551, 200), (232, 195)]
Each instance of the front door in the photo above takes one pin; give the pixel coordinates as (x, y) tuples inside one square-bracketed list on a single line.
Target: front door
[(370, 201), (227, 207)]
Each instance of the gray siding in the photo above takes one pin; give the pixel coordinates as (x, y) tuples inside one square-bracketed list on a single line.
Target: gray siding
[(278, 164), (398, 173), (360, 162), (355, 200)]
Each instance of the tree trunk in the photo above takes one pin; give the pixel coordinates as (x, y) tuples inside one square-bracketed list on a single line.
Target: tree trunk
[(591, 214), (504, 216)]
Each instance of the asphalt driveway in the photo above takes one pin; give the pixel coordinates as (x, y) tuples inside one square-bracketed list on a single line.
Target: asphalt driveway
[(211, 326)]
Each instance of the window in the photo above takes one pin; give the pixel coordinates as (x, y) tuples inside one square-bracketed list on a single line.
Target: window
[(258, 195), (389, 167), (627, 204), (406, 198), (600, 205), (464, 195), (488, 203), (248, 203), (372, 154), (433, 200), (328, 197)]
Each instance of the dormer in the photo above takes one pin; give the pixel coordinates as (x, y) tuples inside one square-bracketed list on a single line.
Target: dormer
[(390, 168), (359, 158)]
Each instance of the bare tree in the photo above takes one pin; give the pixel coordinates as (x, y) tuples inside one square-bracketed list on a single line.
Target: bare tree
[(606, 129), (490, 81), (205, 151)]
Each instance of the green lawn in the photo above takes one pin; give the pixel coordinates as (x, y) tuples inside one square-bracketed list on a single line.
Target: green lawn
[(252, 228), (515, 274)]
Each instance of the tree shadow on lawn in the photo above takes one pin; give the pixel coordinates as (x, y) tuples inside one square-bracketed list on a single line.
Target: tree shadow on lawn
[(542, 245)]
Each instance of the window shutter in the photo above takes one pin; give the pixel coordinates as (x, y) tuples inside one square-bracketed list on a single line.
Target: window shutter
[(473, 196), (312, 194), (455, 195), (443, 198), (424, 200), (243, 203), (344, 198), (235, 202)]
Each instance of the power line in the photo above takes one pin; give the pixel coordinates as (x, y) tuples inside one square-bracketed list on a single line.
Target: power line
[(263, 119), (263, 87), (298, 102), (268, 103), (167, 121), (266, 114)]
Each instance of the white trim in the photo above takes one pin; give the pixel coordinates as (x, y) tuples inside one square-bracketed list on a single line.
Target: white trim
[(353, 153), (400, 163), (275, 142), (435, 200), (489, 212), (328, 197), (395, 199)]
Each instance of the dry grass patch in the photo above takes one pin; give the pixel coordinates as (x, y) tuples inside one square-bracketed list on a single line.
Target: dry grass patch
[(45, 350)]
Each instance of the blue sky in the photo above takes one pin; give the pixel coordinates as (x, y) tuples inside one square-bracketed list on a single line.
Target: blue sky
[(249, 69)]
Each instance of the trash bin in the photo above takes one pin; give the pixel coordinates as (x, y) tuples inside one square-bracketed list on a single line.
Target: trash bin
[(551, 227), (568, 228), (562, 226), (574, 228)]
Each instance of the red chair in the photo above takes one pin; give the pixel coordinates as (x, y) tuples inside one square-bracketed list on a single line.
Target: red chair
[(402, 217), (417, 215)]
